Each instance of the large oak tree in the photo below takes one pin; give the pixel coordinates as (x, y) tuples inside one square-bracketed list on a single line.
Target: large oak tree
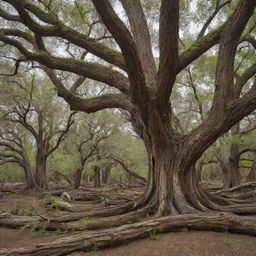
[(143, 88)]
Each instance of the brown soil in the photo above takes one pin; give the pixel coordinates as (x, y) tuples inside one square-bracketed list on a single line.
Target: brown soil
[(192, 243), (13, 238)]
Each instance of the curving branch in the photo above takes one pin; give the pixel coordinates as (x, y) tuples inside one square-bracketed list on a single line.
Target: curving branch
[(199, 103), (9, 17), (226, 110), (77, 84), (199, 47), (250, 40), (141, 35), (244, 105), (91, 70), (218, 7), (17, 65), (128, 170), (62, 133), (58, 29), (9, 147), (229, 41), (247, 74), (89, 105), (18, 33), (125, 41), (168, 44)]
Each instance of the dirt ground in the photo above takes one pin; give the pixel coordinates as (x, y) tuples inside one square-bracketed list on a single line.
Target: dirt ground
[(192, 243)]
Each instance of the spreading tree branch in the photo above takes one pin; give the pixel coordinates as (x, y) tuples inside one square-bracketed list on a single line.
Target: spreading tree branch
[(141, 36), (59, 29), (91, 70), (218, 7), (125, 41), (168, 44), (89, 105), (199, 47)]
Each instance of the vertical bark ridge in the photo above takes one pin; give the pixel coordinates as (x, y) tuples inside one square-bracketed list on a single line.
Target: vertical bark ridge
[(141, 35), (125, 41), (168, 45)]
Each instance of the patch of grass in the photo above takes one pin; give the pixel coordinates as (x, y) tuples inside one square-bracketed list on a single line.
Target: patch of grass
[(153, 235), (85, 221), (93, 252), (228, 240), (30, 210), (54, 201), (39, 227)]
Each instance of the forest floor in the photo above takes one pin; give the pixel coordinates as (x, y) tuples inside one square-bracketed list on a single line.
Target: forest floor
[(184, 243), (192, 243)]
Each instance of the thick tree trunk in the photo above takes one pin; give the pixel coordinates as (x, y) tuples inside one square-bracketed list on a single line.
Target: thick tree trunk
[(234, 167), (40, 176), (97, 176), (252, 173), (31, 183), (234, 159), (173, 183), (168, 169), (106, 175), (226, 174), (78, 177)]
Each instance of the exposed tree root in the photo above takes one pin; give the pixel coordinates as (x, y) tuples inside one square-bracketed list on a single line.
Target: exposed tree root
[(86, 241), (245, 193), (109, 197), (85, 223), (15, 221), (99, 223)]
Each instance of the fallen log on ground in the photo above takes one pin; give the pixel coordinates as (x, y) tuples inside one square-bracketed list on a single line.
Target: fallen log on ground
[(16, 221), (86, 241)]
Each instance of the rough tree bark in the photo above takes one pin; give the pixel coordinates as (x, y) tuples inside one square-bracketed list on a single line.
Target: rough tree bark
[(172, 187), (97, 176), (30, 178), (41, 160), (252, 173), (106, 173), (86, 241), (78, 178)]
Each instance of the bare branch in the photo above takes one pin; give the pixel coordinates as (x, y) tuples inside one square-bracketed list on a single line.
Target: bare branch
[(62, 133), (58, 29), (125, 41), (199, 47), (247, 74), (91, 70), (210, 19), (93, 104), (77, 84), (17, 64), (168, 43), (199, 103), (128, 170), (141, 36), (15, 32), (8, 16)]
